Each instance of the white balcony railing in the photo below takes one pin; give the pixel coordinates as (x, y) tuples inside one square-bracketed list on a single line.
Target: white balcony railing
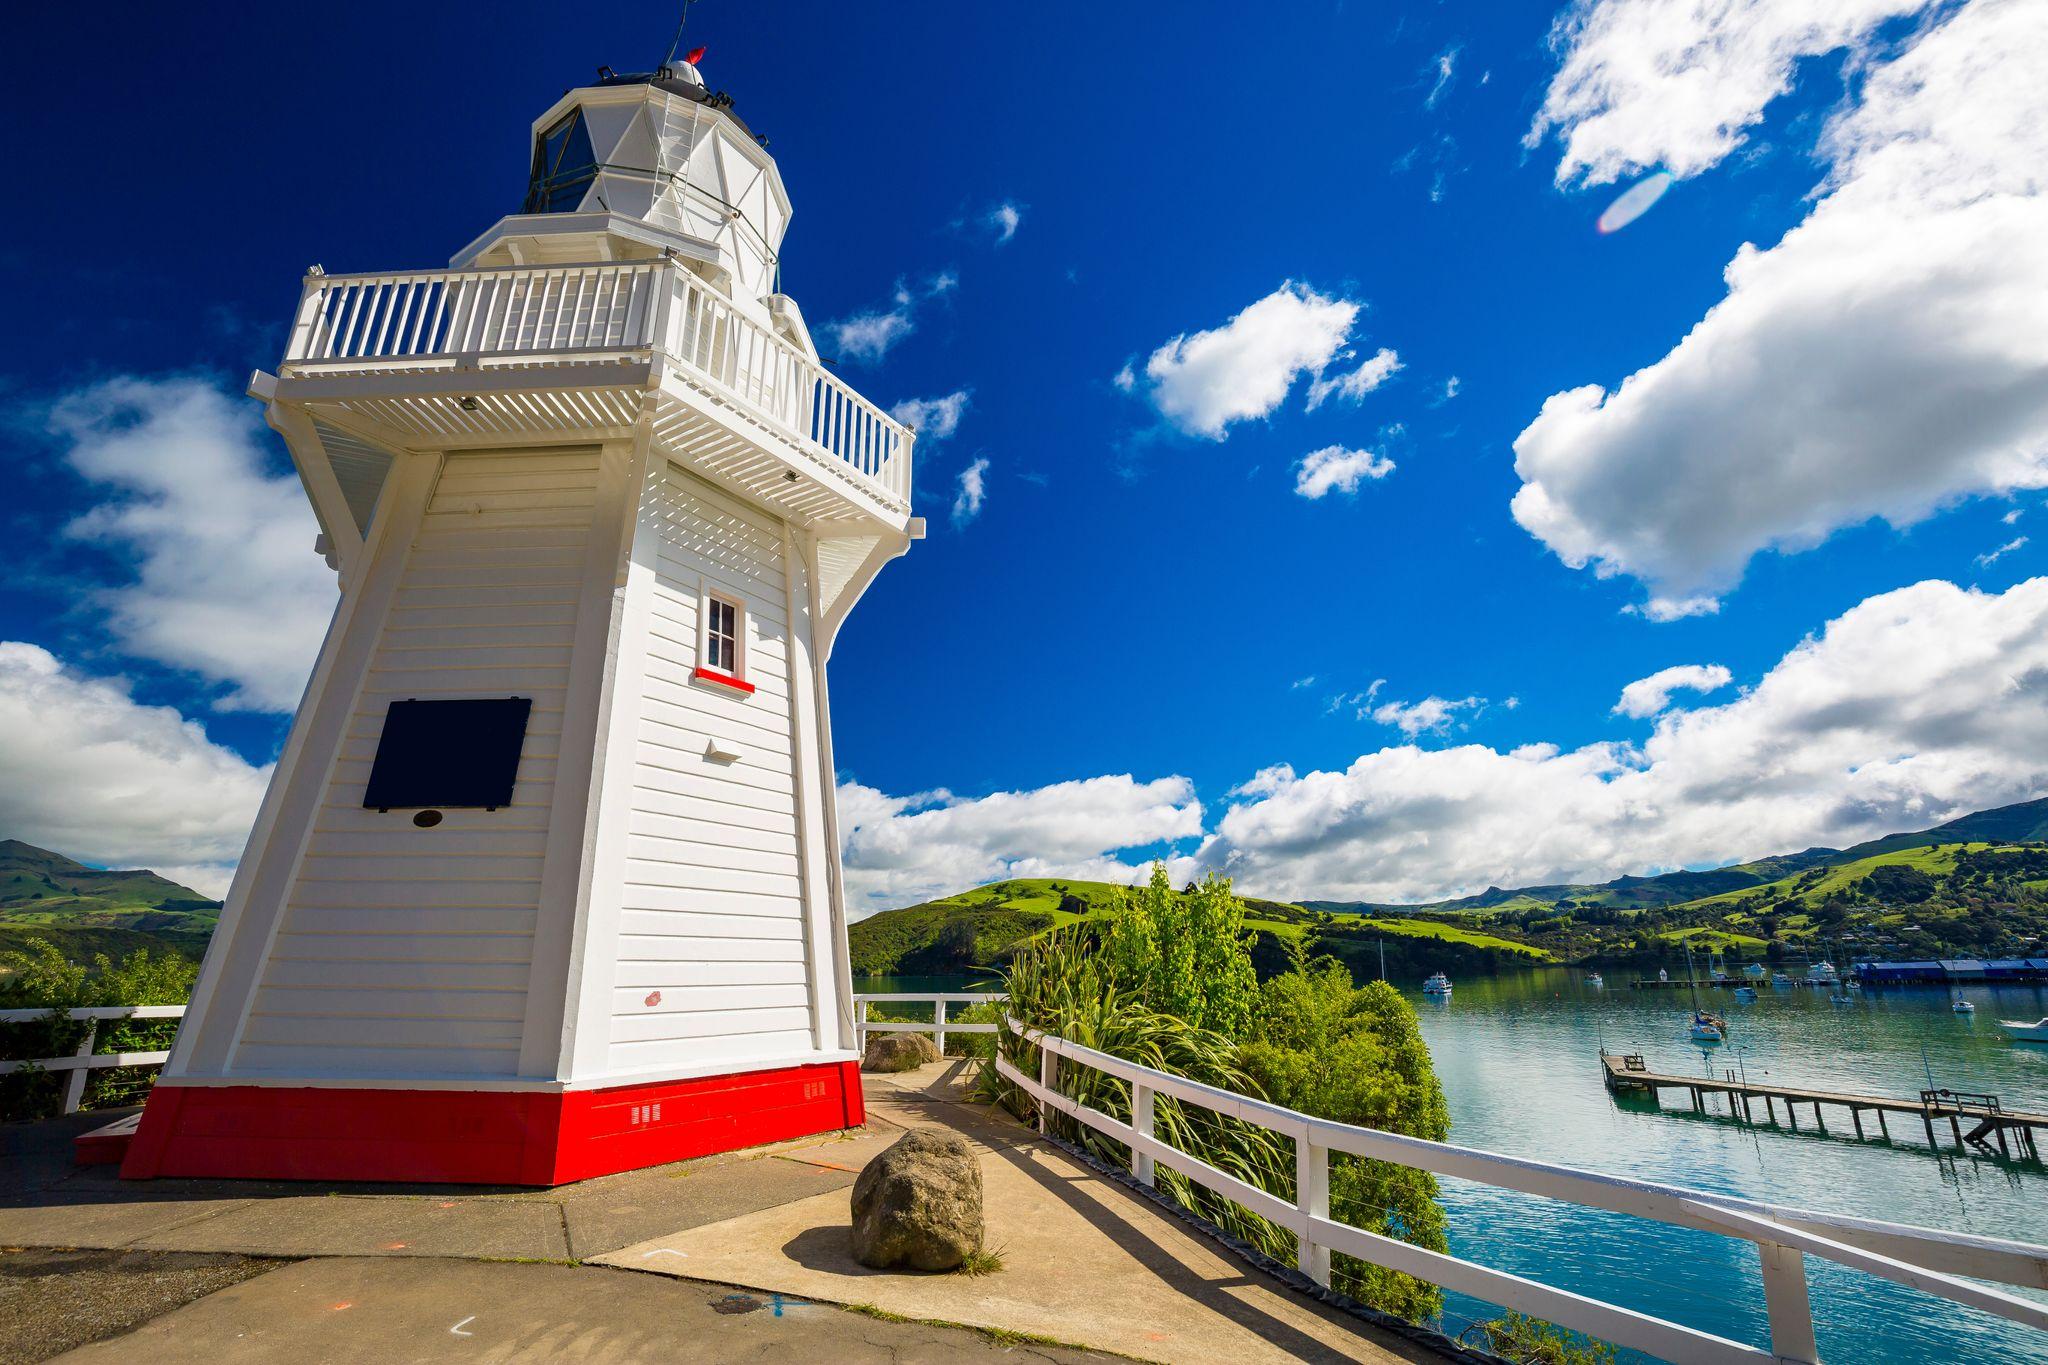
[(538, 315)]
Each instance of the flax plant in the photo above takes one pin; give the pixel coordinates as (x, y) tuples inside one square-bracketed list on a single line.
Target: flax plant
[(1062, 987)]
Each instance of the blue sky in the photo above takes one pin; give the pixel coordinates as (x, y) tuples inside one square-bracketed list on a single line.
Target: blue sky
[(1108, 655)]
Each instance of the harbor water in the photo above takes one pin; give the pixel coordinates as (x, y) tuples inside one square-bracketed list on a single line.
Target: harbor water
[(1519, 1058)]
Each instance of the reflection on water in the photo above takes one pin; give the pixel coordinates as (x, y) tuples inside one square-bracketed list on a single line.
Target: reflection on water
[(1519, 1057)]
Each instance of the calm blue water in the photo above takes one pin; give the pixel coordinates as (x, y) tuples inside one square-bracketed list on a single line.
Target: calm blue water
[(1519, 1058)]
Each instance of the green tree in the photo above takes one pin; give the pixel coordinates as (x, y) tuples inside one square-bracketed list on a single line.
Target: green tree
[(1184, 953), (1355, 1054)]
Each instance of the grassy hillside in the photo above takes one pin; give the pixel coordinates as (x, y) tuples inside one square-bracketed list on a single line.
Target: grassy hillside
[(1960, 888), (1923, 900), (84, 910), (985, 926)]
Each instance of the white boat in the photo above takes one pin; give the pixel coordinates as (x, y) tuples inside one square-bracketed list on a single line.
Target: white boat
[(1706, 1028), (1596, 981), (2026, 1033), (1438, 984), (1745, 993), (1822, 974), (1780, 981), (1755, 971), (1962, 1006)]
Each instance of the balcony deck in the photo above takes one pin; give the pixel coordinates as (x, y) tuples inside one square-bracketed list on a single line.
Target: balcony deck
[(450, 358)]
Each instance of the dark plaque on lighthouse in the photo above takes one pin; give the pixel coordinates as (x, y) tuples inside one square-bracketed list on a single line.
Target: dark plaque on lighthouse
[(448, 753)]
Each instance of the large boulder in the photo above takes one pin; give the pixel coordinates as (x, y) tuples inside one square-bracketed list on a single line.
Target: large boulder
[(919, 1204), (899, 1052)]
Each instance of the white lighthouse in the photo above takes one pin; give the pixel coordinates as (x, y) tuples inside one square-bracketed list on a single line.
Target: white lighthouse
[(546, 884)]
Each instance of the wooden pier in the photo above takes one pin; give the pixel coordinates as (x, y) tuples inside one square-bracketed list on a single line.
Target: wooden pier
[(1991, 1122)]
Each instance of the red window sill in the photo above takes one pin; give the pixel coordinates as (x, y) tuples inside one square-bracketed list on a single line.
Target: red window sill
[(711, 675)]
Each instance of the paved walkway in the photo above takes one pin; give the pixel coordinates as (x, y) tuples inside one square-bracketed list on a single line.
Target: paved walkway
[(748, 1255)]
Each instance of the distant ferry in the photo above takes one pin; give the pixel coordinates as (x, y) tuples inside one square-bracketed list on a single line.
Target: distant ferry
[(1438, 984), (1822, 974)]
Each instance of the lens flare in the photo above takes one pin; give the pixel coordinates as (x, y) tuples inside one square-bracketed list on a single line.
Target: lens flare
[(1634, 202)]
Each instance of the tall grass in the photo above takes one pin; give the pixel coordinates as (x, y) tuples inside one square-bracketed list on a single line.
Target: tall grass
[(1058, 986)]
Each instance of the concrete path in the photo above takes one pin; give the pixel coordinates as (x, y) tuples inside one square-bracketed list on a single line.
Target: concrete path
[(1087, 1262), (359, 1309)]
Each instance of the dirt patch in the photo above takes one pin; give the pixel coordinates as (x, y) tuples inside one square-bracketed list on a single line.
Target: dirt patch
[(53, 1301)]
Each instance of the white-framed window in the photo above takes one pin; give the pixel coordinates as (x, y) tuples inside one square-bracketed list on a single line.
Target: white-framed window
[(722, 643)]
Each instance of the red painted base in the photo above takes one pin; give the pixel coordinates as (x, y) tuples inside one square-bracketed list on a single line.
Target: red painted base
[(479, 1137)]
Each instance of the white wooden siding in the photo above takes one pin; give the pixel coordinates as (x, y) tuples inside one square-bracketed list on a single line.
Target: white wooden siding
[(406, 951), (711, 960)]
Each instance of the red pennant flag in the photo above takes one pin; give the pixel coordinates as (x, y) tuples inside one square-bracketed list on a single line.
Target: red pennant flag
[(694, 55)]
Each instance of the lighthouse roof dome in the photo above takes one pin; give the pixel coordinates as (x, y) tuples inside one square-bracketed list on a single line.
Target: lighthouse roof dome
[(677, 78)]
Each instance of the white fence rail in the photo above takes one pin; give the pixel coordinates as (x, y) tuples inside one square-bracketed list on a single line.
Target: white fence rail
[(82, 1062), (1925, 1259), (553, 314), (937, 1026)]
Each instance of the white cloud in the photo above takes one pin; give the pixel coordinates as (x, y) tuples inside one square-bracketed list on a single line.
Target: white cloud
[(934, 418), (1985, 561), (1003, 219), (1319, 471), (1299, 683), (1645, 697), (1451, 387), (1673, 608), (95, 775), (973, 488), (1354, 385), (225, 582), (1433, 715), (901, 850), (1911, 708), (1242, 370), (2012, 517), (1675, 83), (867, 336), (1446, 72), (1888, 357)]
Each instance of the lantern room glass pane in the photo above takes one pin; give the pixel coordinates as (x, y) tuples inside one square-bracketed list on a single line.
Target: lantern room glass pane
[(563, 167)]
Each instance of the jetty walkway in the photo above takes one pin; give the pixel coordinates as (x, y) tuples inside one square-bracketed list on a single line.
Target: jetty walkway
[(739, 1256), (1989, 1121)]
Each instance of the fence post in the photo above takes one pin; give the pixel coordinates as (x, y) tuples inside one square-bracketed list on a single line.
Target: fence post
[(74, 1084), (860, 1027), (1048, 1072), (1141, 1122), (1312, 1197), (1785, 1300), (939, 1020)]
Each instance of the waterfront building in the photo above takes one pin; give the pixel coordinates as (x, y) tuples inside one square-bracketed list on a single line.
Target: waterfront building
[(546, 882)]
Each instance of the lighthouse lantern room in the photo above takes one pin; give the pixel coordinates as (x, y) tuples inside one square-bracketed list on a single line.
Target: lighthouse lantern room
[(546, 884)]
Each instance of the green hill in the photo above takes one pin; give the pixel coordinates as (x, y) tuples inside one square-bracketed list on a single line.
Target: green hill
[(2026, 822), (84, 910), (985, 926)]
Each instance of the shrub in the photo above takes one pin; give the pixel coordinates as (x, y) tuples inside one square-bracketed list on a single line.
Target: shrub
[(41, 978), (1355, 1054)]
